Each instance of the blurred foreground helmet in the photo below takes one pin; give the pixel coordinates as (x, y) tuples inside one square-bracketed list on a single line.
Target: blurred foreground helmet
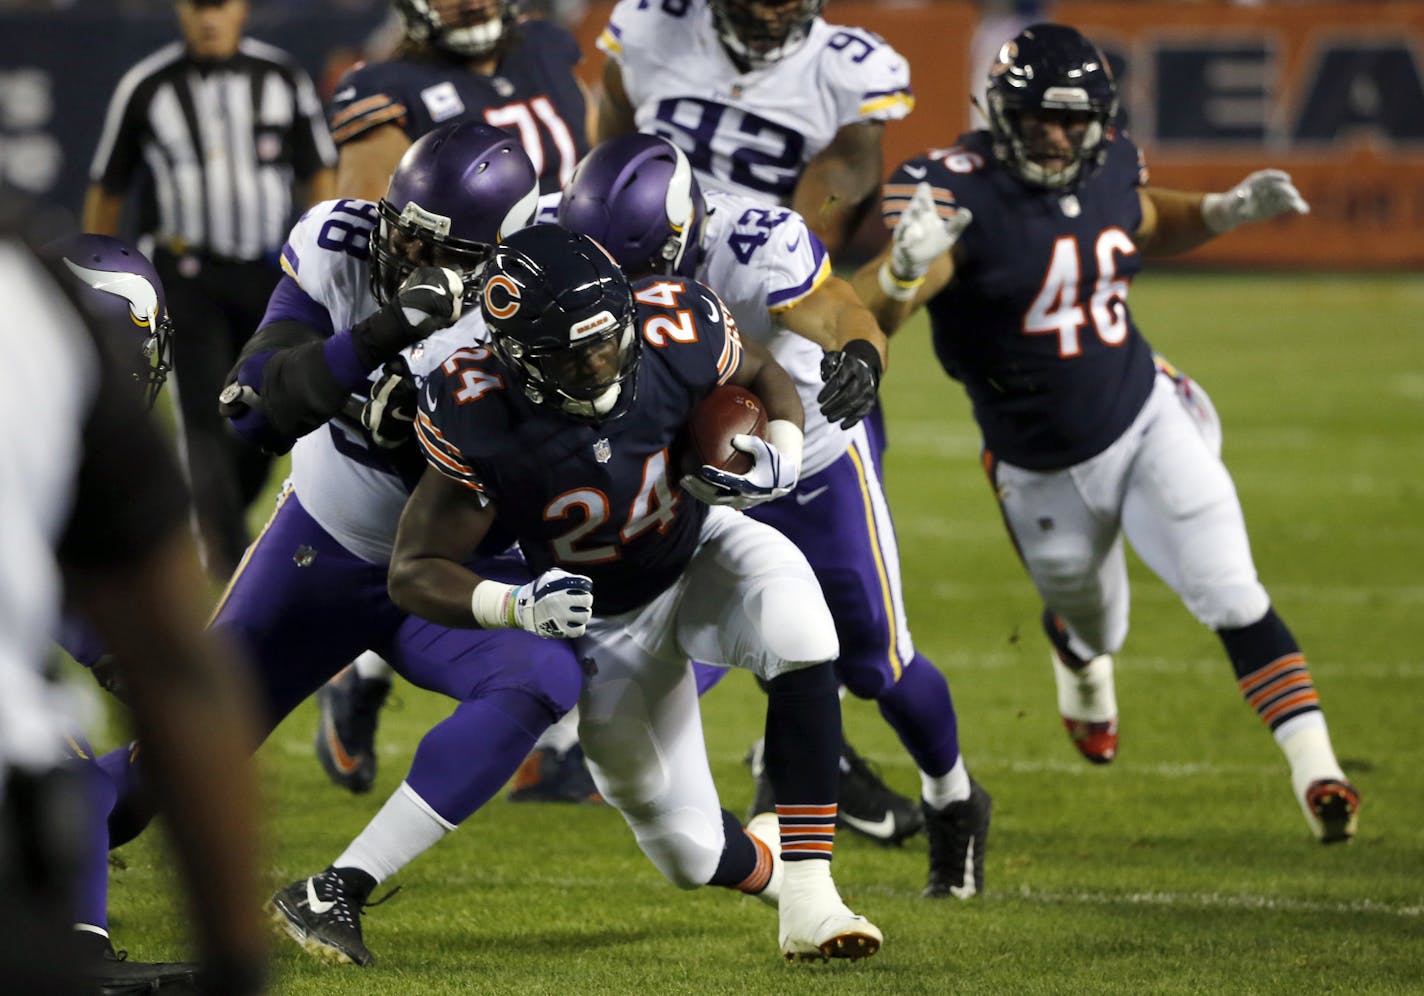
[(636, 196), (120, 290), (762, 32), (1050, 73), (458, 190), (560, 314)]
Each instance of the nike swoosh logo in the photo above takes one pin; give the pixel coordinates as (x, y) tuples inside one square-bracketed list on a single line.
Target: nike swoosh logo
[(881, 829), (806, 499), (918, 172), (430, 395), (317, 906), (712, 310), (794, 244), (967, 889)]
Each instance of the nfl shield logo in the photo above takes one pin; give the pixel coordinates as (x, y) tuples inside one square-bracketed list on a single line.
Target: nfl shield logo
[(602, 452)]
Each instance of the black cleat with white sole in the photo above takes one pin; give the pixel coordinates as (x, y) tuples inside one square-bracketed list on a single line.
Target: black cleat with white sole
[(323, 914), (958, 834)]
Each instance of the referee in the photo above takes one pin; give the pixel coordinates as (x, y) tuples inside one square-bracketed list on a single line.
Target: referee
[(218, 129)]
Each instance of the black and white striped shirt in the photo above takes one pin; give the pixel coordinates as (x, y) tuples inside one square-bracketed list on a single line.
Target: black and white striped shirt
[(222, 143)]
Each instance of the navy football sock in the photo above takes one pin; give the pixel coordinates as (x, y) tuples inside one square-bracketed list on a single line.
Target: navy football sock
[(803, 748), (743, 865), (1270, 670)]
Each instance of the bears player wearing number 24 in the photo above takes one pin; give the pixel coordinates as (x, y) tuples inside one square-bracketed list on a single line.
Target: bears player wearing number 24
[(1087, 436), (563, 428)]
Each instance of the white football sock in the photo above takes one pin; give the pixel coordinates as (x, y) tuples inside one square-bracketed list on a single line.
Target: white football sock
[(561, 735), (1305, 741), (952, 786), (372, 666), (405, 828)]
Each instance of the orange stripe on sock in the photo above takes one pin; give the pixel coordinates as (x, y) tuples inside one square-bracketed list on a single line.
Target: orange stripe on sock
[(807, 847), (826, 812), (1300, 680), (761, 874), (1294, 702), (1255, 678)]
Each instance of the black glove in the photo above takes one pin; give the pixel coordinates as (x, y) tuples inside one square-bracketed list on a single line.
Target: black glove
[(427, 301), (852, 376), (389, 415)]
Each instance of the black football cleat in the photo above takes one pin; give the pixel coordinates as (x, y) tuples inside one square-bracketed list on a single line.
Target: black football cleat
[(958, 835), (870, 807), (547, 775), (346, 733), (323, 914), (115, 975)]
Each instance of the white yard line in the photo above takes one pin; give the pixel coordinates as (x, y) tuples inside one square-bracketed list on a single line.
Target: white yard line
[(1211, 900)]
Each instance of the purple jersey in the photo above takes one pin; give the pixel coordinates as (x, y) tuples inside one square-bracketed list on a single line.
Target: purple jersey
[(1035, 322), (597, 499), (532, 93)]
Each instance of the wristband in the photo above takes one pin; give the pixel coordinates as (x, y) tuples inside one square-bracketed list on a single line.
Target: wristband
[(1218, 212), (787, 438), (492, 605), (895, 288)]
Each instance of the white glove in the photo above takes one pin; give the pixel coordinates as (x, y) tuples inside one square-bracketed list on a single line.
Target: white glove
[(922, 236), (772, 475), (556, 604), (1264, 194)]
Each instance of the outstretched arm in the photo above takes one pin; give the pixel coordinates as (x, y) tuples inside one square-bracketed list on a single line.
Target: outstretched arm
[(834, 317), (1175, 221), (916, 265)]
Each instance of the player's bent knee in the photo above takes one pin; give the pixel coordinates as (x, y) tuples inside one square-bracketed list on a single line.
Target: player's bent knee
[(1229, 606), (866, 681), (684, 845), (793, 625)]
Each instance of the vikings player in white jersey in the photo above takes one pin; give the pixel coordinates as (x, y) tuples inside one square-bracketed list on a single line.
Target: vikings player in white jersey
[(372, 301), (766, 99), (637, 196)]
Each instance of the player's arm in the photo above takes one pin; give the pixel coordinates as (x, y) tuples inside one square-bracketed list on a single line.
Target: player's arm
[(833, 317), (102, 210), (297, 371), (840, 184), (1176, 221), (917, 263), (615, 111), (132, 569), (365, 163), (776, 459), (442, 524)]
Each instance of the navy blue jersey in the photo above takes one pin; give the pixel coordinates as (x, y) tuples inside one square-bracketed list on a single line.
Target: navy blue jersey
[(532, 94), (595, 499), (1035, 322)]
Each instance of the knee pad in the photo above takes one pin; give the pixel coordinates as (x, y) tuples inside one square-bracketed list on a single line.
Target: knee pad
[(793, 625), (682, 844), (1229, 606)]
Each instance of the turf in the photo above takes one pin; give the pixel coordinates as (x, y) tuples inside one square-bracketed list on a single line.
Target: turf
[(1184, 867)]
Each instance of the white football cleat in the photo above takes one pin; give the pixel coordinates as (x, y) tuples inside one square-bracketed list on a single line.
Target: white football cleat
[(1087, 701), (816, 924), (766, 828)]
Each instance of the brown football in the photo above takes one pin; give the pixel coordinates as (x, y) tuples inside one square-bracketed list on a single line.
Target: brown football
[(707, 438)]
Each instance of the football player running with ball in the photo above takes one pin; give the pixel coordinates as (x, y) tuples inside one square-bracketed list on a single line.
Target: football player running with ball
[(636, 195), (1087, 436), (563, 428)]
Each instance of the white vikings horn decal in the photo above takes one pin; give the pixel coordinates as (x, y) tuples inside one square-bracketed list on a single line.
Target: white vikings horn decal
[(140, 294)]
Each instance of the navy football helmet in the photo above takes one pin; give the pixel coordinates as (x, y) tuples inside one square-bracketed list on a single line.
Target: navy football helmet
[(636, 196), (560, 315), (457, 190), (121, 293), (460, 28), (1050, 73), (759, 33)]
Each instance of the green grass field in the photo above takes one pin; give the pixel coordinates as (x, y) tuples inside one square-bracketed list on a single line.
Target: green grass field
[(1185, 866)]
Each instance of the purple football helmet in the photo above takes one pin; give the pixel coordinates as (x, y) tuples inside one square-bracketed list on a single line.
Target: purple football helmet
[(455, 193), (561, 319), (637, 197), (121, 293)]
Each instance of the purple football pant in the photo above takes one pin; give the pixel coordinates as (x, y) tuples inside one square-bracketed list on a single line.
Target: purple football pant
[(302, 606), (840, 520)]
